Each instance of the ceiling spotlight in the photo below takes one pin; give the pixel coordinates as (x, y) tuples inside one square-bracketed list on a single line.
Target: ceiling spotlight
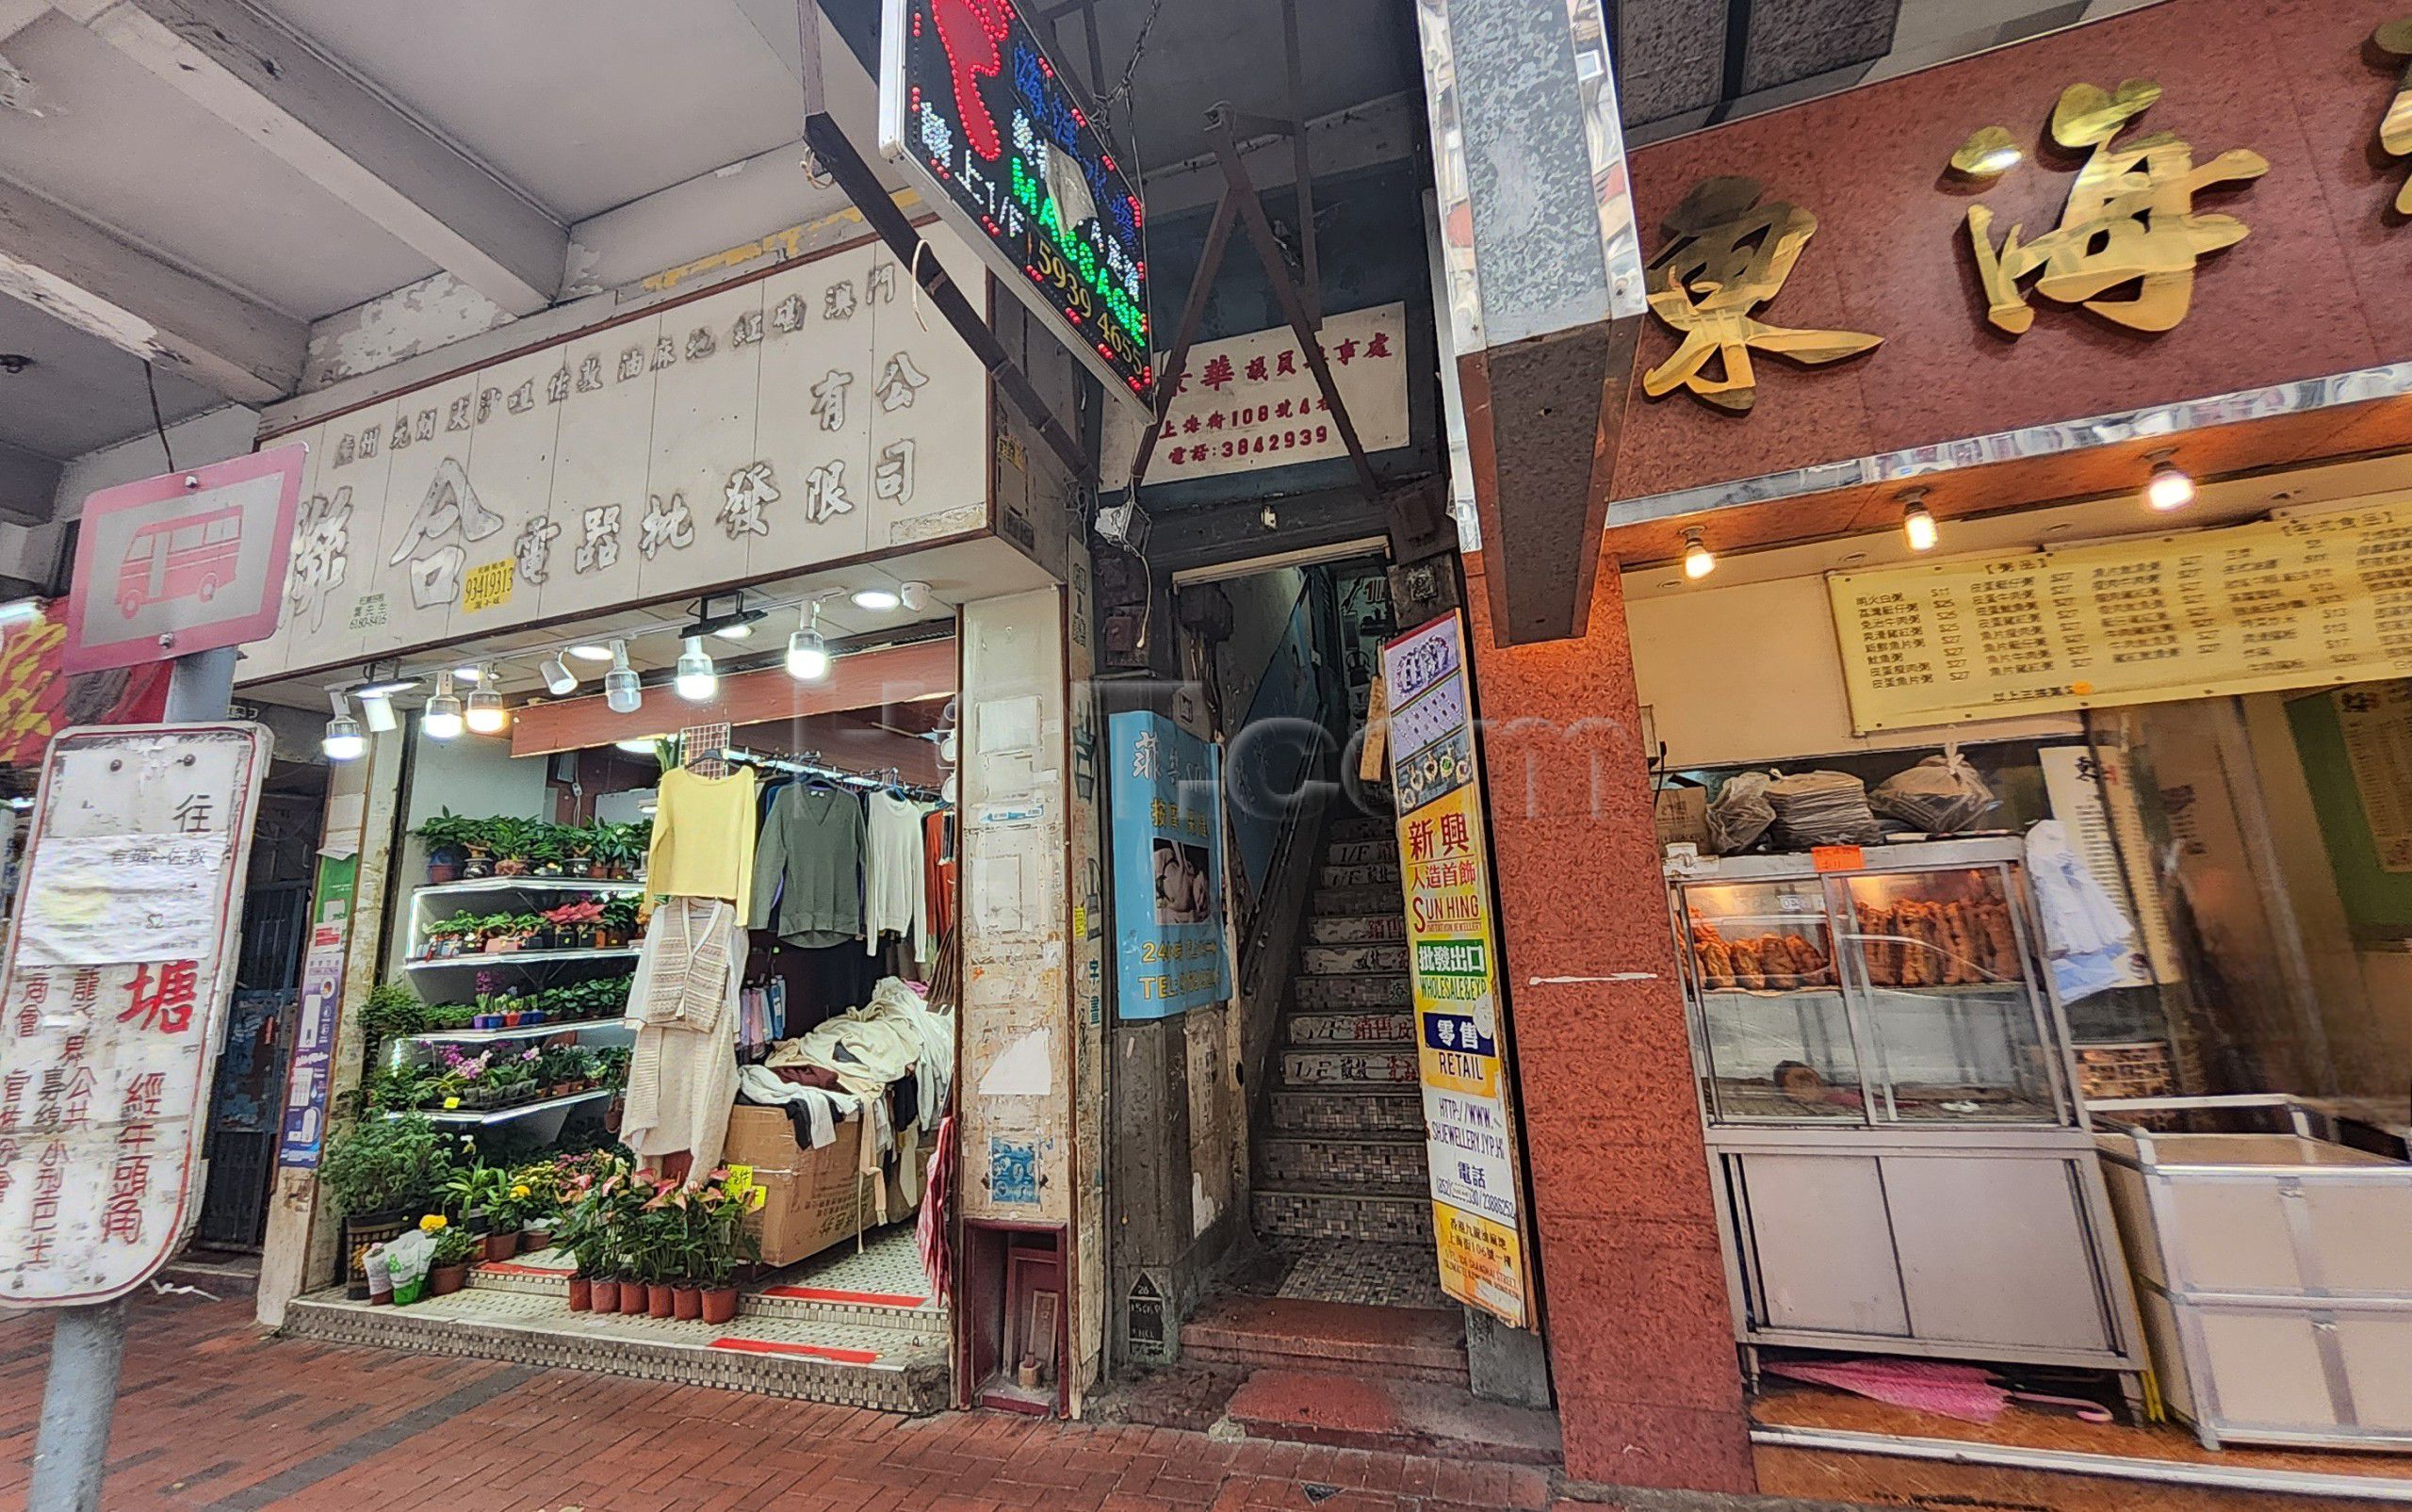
[(386, 688), (2169, 488), (808, 653), (377, 711), (343, 740), (1699, 562), (639, 745), (623, 691), (878, 600), (467, 675), (738, 631), (732, 623), (1917, 526), (591, 653), (916, 596), (696, 680), (486, 714), (443, 721), (559, 680)]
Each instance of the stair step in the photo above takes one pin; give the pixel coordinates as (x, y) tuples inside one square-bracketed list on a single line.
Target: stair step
[(796, 1300), (1415, 1344), (1347, 1068), (1375, 1410), (890, 1369), (1362, 874), (1351, 960), (1384, 1218), (1328, 1111), (1387, 1165), (1358, 827), (1311, 994), (1357, 852), (1358, 929), (1354, 903), (1380, 1027)]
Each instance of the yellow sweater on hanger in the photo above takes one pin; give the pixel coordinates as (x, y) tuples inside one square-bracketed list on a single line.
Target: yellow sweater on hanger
[(702, 838)]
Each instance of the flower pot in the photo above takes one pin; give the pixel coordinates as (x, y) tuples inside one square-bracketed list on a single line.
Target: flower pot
[(440, 872), (633, 1297), (581, 1293), (660, 1300), (475, 868), (511, 1019), (686, 1303), (502, 945), (485, 1020), (510, 866), (578, 866), (539, 941), (605, 1292), (532, 1015), (501, 1246), (719, 1303), (443, 1280)]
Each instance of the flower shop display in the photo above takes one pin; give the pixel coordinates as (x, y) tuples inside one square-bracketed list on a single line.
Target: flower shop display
[(377, 1171), (455, 1247)]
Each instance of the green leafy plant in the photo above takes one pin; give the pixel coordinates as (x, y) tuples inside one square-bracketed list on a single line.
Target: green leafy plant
[(512, 838), (455, 1245), (393, 1011), (380, 1165), (447, 831)]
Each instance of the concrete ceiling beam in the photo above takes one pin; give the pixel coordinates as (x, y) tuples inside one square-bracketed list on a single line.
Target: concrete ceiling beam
[(342, 134), (83, 274)]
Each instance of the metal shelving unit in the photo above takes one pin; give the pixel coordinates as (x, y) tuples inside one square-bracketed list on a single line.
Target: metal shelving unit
[(523, 959)]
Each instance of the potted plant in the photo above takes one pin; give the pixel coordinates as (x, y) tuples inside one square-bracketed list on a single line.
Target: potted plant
[(619, 922), (534, 934), (608, 843), (450, 840), (578, 1231), (721, 1242), (377, 1172), (393, 1011), (546, 850), (455, 1247), (512, 838)]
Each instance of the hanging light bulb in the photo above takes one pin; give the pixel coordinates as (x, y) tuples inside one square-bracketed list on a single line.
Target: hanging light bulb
[(343, 741), (808, 653), (2169, 488), (487, 715), (696, 680), (377, 711), (591, 653), (1917, 526), (1699, 562), (877, 600), (559, 680), (441, 721), (623, 692)]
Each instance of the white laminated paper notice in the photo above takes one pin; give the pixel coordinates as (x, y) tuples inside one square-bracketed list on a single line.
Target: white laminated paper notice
[(105, 899)]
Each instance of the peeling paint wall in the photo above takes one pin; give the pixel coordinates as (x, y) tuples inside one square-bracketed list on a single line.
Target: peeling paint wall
[(418, 317)]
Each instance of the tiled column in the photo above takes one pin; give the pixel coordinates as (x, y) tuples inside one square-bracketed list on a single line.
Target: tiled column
[(1640, 1343)]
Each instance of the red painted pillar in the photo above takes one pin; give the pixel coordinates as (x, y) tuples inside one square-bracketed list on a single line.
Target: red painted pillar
[(1641, 1342)]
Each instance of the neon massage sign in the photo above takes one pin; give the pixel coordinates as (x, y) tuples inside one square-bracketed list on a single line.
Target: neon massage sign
[(970, 96)]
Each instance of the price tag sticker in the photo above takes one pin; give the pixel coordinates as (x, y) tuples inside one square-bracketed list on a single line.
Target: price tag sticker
[(1838, 858)]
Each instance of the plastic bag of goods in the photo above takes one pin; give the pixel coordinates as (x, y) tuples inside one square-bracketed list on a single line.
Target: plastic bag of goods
[(1821, 808), (407, 1257), (1941, 795), (1740, 814)]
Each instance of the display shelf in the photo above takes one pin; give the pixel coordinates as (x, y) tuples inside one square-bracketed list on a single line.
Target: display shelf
[(498, 1115), (484, 885), (543, 1031), (489, 961)]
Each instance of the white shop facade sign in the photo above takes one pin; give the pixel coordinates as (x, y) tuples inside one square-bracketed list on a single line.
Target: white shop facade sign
[(811, 416)]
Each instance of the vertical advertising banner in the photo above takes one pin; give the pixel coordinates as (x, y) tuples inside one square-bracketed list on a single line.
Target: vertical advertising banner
[(1445, 868), (113, 1001), (313, 1033), (1167, 841)]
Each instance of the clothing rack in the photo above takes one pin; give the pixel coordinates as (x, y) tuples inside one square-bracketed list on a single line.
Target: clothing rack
[(810, 765)]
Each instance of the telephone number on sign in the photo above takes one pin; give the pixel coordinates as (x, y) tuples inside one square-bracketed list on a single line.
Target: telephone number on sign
[(1251, 446)]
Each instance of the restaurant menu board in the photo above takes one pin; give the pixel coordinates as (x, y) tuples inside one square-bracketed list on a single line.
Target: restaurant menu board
[(1453, 958), (2294, 603), (2376, 724), (113, 1001)]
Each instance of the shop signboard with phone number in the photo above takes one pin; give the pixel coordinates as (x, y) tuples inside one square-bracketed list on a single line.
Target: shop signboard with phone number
[(1453, 959)]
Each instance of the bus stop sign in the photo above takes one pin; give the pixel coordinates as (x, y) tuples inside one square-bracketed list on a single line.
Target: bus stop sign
[(183, 562)]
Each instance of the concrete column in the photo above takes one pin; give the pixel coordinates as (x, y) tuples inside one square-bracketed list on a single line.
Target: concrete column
[(1640, 1340)]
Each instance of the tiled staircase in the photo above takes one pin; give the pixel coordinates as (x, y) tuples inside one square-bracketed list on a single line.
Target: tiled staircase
[(1344, 1157)]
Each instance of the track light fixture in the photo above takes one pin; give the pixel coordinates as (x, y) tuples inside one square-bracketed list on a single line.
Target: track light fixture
[(443, 719), (623, 691), (1699, 562), (344, 740)]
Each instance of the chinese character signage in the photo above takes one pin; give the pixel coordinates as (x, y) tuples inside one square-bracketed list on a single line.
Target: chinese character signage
[(113, 1001), (2295, 603), (1168, 796), (184, 562), (1007, 153), (1444, 867), (1251, 401)]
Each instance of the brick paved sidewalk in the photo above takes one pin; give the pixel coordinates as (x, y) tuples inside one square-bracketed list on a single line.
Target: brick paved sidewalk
[(212, 1415)]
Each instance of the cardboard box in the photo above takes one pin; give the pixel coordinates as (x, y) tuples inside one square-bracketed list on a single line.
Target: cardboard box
[(1682, 814), (817, 1197)]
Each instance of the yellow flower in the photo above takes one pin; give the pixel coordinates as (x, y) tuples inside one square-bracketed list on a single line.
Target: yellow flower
[(519, 1191), (432, 1223)]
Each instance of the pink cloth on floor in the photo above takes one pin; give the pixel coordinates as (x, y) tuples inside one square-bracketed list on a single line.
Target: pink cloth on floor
[(1964, 1391)]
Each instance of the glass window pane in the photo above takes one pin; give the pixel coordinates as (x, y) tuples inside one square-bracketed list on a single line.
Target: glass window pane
[(1949, 1010), (1778, 1036)]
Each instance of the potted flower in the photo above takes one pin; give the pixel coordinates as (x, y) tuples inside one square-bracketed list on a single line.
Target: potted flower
[(546, 850), (577, 1229), (377, 1172), (618, 921), (534, 932), (576, 845), (612, 848), (511, 837), (574, 924), (721, 1242), (455, 1247), (451, 840)]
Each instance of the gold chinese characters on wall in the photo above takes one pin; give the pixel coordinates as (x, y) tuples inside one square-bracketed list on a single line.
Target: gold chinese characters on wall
[(2128, 237), (2395, 128), (1726, 255)]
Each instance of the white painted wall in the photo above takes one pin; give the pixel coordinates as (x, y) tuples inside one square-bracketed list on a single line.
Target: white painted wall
[(1754, 672), (213, 436)]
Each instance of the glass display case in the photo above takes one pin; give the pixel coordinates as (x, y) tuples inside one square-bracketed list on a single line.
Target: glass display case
[(1887, 1094)]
